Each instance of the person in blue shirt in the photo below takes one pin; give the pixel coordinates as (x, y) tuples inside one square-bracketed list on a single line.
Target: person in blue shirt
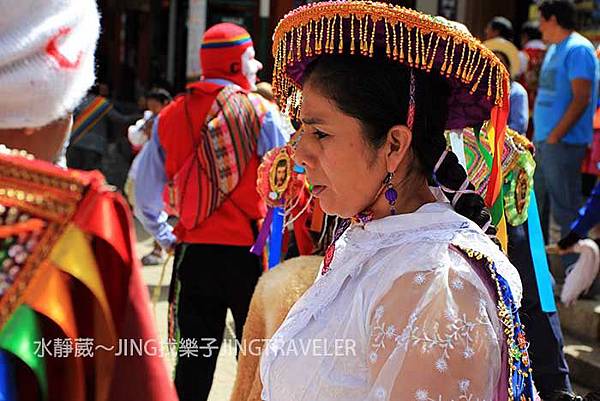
[(563, 115), (518, 119)]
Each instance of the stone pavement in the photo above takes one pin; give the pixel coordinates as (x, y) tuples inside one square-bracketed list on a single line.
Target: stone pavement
[(226, 364), (581, 329)]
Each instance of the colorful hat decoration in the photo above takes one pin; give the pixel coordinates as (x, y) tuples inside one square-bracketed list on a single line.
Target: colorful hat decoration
[(478, 80), (283, 189), (518, 167), (278, 183)]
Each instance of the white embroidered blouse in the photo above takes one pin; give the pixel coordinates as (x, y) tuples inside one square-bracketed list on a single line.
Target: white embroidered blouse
[(401, 315)]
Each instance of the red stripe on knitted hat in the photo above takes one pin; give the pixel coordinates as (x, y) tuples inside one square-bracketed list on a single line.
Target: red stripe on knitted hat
[(52, 49)]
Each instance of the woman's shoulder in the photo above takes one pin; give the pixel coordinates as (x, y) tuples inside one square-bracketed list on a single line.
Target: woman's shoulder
[(424, 262), (479, 247), (444, 284), (411, 265), (426, 248)]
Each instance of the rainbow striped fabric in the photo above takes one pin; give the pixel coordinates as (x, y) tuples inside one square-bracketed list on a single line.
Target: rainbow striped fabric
[(219, 43), (228, 142), (89, 117)]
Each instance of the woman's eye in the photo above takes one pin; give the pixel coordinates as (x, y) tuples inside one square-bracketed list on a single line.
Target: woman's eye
[(319, 134)]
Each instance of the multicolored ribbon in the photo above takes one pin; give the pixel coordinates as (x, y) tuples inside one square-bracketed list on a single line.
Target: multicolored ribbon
[(271, 232), (49, 294), (276, 238), (90, 116), (263, 235), (493, 198), (73, 254), (21, 336)]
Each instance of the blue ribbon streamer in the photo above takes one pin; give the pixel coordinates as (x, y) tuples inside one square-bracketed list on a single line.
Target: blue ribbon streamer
[(538, 255), (276, 238), (8, 388), (263, 235)]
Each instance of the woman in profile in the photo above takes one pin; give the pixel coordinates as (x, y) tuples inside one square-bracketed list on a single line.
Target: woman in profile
[(414, 300)]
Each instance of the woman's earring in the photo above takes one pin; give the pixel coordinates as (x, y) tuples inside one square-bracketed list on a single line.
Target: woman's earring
[(390, 192)]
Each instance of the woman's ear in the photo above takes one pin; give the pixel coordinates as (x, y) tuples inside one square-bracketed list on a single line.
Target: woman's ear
[(399, 139)]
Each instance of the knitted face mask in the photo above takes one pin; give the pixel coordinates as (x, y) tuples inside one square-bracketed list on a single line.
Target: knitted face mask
[(250, 67), (221, 54)]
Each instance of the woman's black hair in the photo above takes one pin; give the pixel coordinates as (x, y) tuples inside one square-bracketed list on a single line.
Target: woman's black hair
[(563, 10), (375, 91)]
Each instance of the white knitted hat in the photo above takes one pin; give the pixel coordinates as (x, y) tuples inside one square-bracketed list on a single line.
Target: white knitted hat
[(46, 59)]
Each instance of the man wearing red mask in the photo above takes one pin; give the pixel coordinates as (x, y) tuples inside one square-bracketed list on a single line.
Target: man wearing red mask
[(207, 143)]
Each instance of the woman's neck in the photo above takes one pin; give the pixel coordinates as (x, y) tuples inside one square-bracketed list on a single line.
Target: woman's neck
[(411, 196)]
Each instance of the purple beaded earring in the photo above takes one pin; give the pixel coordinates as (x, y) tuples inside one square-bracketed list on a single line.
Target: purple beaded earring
[(390, 192)]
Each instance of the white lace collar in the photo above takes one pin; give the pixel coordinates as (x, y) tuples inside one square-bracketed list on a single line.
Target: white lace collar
[(430, 214), (435, 220)]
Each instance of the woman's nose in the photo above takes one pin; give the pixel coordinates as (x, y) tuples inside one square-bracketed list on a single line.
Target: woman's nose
[(301, 155)]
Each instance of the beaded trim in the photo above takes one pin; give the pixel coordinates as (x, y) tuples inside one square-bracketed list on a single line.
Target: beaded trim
[(411, 38), (48, 194), (520, 378)]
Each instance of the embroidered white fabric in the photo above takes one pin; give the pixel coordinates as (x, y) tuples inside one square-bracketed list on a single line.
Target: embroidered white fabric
[(401, 315)]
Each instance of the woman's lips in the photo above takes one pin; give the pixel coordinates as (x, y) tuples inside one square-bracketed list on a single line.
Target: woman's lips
[(317, 189)]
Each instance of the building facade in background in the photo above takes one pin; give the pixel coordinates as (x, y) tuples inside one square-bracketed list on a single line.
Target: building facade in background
[(146, 43)]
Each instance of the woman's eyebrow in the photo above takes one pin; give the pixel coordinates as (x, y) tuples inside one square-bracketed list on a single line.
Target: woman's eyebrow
[(311, 120)]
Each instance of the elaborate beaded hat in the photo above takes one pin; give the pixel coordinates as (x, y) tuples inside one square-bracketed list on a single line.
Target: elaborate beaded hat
[(478, 80)]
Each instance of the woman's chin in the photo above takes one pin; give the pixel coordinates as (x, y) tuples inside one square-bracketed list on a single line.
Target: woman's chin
[(329, 207), (334, 208)]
